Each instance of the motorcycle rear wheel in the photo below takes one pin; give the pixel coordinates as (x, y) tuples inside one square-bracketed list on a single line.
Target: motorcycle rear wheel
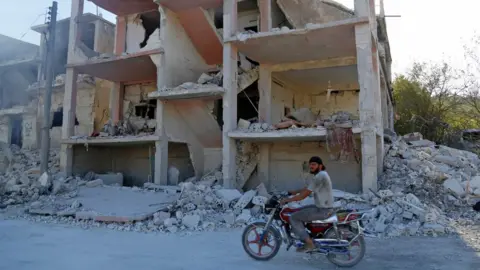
[(346, 233), (272, 236)]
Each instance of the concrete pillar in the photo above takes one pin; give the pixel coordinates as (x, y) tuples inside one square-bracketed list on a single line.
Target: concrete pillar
[(70, 98), (161, 146), (369, 86), (230, 70), (265, 91), (117, 93), (118, 89), (391, 112), (384, 105), (264, 164)]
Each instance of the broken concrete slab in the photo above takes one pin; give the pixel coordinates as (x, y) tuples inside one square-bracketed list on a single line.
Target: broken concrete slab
[(111, 179), (454, 186), (94, 183), (228, 195), (113, 204)]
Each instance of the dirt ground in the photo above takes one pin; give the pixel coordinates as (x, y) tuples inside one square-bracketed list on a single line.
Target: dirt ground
[(25, 245)]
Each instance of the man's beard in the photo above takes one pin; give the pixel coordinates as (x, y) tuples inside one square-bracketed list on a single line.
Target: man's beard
[(315, 171)]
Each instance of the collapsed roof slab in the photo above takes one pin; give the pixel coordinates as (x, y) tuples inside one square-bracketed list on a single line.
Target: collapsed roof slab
[(197, 92), (179, 5), (316, 42), (126, 7), (136, 67), (301, 134)]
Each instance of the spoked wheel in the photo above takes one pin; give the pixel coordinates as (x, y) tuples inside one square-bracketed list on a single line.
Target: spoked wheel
[(255, 247), (356, 250)]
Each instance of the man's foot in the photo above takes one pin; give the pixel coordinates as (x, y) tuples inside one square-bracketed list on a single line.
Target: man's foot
[(306, 248)]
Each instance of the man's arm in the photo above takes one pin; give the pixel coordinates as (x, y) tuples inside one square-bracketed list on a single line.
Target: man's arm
[(304, 193)]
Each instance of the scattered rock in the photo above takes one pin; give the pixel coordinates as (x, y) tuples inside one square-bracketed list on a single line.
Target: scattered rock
[(160, 217), (191, 221), (94, 183)]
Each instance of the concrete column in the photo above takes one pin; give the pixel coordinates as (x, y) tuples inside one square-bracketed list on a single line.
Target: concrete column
[(97, 39), (265, 91), (230, 70), (118, 89), (385, 114), (161, 146), (391, 112), (70, 98), (369, 87), (116, 101), (265, 7), (264, 164)]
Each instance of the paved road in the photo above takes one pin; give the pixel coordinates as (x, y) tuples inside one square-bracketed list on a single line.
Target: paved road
[(25, 245)]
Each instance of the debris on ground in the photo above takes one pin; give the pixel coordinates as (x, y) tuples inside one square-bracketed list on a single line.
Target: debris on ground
[(426, 189)]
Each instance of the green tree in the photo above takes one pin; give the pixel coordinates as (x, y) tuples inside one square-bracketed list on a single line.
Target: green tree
[(429, 100)]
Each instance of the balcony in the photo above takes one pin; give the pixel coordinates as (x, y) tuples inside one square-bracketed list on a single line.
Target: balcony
[(135, 67), (316, 42)]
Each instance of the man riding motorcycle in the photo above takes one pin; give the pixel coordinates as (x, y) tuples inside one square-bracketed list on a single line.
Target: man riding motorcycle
[(321, 187)]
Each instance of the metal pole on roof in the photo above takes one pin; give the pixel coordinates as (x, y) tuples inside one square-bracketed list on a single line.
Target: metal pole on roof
[(47, 96)]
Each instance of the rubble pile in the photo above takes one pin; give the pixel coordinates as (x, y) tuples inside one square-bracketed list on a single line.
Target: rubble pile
[(20, 180), (303, 119), (203, 206), (425, 189)]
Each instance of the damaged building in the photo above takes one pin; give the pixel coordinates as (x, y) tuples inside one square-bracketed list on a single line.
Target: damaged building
[(93, 93), (300, 79), (23, 83), (324, 88), (19, 62)]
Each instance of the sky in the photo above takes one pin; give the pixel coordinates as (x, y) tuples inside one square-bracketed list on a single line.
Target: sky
[(427, 31)]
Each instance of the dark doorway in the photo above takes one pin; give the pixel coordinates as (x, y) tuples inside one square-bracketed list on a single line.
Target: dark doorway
[(16, 130)]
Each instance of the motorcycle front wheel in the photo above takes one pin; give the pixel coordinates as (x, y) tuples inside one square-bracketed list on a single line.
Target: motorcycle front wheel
[(257, 249)]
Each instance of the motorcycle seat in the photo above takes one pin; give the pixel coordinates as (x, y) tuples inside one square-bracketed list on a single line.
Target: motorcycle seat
[(332, 219)]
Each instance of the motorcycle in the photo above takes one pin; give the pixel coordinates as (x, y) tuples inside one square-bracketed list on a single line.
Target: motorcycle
[(334, 237)]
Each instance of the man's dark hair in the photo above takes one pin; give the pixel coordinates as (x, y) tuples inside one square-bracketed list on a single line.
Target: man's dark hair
[(317, 160)]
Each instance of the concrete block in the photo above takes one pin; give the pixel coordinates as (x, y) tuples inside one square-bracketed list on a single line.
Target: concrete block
[(422, 143), (228, 195), (244, 200), (191, 221), (243, 124), (433, 228), (111, 179), (229, 218), (44, 180), (94, 183), (244, 217), (259, 200), (160, 217), (452, 161), (170, 222), (453, 185)]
